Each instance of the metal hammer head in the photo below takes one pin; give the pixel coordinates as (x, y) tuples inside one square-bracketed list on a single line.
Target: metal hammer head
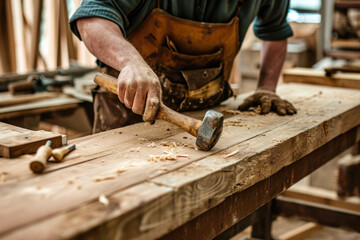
[(210, 130)]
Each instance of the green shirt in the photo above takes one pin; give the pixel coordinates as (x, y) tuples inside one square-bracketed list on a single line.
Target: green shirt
[(270, 15)]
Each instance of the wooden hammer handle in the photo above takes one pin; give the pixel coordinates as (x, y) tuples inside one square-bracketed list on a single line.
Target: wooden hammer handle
[(184, 122), (37, 165)]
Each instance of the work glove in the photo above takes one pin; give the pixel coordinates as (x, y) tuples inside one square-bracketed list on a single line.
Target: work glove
[(268, 101)]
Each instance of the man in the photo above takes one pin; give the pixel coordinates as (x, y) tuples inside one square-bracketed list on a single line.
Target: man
[(180, 52)]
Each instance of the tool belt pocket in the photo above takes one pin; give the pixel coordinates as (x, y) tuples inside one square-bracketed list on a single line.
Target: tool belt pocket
[(191, 82)]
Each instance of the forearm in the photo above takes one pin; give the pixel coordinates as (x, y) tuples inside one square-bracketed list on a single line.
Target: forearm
[(272, 59), (105, 41)]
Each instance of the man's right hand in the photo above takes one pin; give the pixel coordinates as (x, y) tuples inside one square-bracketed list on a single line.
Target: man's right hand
[(139, 89)]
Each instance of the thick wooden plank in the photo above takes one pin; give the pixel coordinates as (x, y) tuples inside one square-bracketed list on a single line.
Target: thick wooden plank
[(308, 75), (277, 142), (16, 141)]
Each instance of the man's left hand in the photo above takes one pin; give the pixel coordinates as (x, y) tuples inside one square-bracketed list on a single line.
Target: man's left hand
[(268, 101)]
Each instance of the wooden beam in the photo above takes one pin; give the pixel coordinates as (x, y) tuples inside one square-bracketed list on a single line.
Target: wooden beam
[(322, 196), (318, 213), (308, 75)]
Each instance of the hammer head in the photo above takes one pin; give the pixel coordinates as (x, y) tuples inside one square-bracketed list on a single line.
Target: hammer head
[(210, 130)]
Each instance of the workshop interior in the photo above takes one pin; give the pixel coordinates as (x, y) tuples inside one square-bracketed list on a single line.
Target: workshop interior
[(198, 119)]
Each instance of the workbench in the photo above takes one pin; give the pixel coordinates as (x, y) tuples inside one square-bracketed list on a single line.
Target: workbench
[(109, 189)]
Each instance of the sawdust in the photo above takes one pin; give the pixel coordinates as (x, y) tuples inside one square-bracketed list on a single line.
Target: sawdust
[(78, 187), (151, 145), (99, 179), (143, 139), (70, 182), (134, 149), (168, 155), (104, 200)]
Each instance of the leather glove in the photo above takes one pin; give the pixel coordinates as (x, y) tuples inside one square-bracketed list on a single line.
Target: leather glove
[(268, 101)]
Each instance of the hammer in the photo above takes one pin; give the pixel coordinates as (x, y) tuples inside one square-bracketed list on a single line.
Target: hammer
[(207, 131)]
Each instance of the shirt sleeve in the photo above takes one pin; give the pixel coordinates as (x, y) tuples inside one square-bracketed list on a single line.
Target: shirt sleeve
[(115, 11), (270, 23)]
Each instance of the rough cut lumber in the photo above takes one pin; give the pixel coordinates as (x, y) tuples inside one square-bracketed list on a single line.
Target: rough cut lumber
[(308, 75), (16, 141), (150, 199)]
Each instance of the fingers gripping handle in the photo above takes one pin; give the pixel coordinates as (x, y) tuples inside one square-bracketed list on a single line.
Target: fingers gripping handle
[(186, 123)]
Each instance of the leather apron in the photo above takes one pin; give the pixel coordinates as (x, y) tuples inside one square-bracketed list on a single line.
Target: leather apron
[(192, 59)]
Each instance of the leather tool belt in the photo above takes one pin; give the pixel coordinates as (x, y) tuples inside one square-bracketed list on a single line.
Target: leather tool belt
[(192, 59)]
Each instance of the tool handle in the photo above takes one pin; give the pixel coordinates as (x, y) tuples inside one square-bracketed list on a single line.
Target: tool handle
[(184, 122), (43, 153), (60, 153)]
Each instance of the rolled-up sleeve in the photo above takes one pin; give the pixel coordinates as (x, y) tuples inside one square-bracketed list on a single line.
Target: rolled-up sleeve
[(108, 9), (270, 22)]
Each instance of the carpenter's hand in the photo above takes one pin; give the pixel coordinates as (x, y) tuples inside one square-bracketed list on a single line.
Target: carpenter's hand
[(268, 101), (139, 89)]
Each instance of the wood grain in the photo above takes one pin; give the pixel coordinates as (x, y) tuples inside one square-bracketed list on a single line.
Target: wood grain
[(190, 186)]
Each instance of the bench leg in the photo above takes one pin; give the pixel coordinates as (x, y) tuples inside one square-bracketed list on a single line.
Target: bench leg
[(262, 228)]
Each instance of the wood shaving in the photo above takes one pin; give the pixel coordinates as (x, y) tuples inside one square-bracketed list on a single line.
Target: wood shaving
[(134, 149), (104, 200), (102, 160), (163, 169), (232, 153), (152, 145), (120, 170), (168, 155), (167, 144), (99, 179), (230, 111), (143, 139)]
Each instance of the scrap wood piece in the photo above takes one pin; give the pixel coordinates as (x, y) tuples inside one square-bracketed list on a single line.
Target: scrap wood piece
[(15, 141)]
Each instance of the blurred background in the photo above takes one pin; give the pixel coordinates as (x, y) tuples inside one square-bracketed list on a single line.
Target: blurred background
[(46, 76)]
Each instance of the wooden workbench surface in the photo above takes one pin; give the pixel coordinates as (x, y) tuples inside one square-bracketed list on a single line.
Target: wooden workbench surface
[(148, 199)]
